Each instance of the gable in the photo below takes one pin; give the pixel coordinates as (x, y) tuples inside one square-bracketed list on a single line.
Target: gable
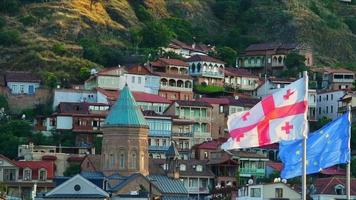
[(77, 185), (5, 162)]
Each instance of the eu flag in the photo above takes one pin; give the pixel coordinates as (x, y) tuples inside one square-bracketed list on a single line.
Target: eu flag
[(326, 147)]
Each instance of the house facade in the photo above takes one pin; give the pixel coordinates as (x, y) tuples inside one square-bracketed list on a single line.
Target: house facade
[(22, 82), (206, 70), (241, 79), (335, 78), (268, 191), (159, 134), (199, 112), (187, 50), (328, 103), (73, 96), (331, 188), (271, 57), (22, 178), (183, 136), (175, 82)]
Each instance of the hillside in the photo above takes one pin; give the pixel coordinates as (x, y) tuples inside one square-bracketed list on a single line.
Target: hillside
[(59, 38)]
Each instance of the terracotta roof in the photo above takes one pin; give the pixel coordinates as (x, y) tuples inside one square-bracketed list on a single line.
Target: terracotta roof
[(334, 171), (327, 185), (205, 58), (176, 44), (110, 70), (77, 107), (139, 96), (138, 69), (224, 157), (282, 80), (162, 62), (192, 103), (94, 160), (211, 145), (230, 71), (49, 157), (275, 165), (220, 101), (17, 76), (248, 154), (36, 165), (330, 70)]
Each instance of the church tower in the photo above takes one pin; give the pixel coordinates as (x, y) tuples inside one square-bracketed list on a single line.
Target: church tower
[(125, 138)]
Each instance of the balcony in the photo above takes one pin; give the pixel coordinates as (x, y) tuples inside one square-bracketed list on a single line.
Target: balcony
[(158, 148), (176, 88), (186, 134), (196, 190), (208, 74), (85, 128), (159, 133), (252, 171)]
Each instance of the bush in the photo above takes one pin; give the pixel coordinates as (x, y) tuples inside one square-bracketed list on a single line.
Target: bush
[(59, 49), (9, 37), (203, 88), (28, 20), (9, 6)]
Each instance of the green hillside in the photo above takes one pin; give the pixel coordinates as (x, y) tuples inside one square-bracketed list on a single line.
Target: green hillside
[(63, 39)]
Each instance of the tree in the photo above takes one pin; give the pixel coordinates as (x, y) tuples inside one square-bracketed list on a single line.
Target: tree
[(295, 64), (72, 170), (226, 54), (50, 79), (84, 73), (182, 28), (156, 34)]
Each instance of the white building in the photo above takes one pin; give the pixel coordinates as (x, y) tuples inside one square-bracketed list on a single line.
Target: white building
[(22, 82), (73, 96), (328, 103), (268, 191)]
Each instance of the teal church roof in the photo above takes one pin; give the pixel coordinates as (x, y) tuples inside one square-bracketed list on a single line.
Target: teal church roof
[(126, 112)]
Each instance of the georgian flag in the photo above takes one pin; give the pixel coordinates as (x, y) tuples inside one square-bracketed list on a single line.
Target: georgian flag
[(280, 116)]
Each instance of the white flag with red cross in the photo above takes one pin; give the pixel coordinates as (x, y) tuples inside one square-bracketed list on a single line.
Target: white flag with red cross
[(280, 116)]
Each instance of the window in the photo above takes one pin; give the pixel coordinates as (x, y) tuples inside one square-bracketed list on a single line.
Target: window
[(331, 109), (221, 109), (255, 192), (279, 192), (182, 167), (14, 88), (149, 141), (319, 110), (319, 98), (327, 97), (9, 175), (133, 79), (133, 160), (157, 142), (164, 142), (122, 160), (332, 97), (199, 168), (340, 189), (193, 182), (43, 174), (27, 173), (327, 109), (22, 88), (139, 80), (205, 155)]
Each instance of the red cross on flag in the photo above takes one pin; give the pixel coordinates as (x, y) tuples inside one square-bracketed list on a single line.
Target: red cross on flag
[(280, 116)]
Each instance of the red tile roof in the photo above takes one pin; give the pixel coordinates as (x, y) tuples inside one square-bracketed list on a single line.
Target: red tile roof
[(197, 58), (139, 96), (211, 145), (220, 101), (37, 165), (20, 76), (327, 185), (138, 69), (334, 171), (107, 70), (230, 71), (175, 44), (190, 103), (275, 165), (162, 62)]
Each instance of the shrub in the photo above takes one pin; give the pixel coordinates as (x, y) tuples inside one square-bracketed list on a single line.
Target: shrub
[(9, 37), (208, 88), (59, 48)]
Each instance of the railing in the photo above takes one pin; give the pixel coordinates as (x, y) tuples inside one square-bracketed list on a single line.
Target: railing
[(213, 74), (159, 133), (196, 190), (253, 171), (85, 128), (158, 148), (186, 134), (343, 80), (176, 88)]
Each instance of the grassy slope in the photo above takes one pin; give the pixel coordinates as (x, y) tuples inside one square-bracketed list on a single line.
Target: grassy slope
[(67, 21)]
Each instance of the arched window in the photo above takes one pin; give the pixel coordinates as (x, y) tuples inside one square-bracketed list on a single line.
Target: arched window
[(122, 160), (27, 174), (164, 82), (193, 68), (133, 163), (339, 189), (42, 174), (112, 160), (180, 83), (172, 82), (275, 59), (280, 59), (198, 67), (188, 84), (182, 167)]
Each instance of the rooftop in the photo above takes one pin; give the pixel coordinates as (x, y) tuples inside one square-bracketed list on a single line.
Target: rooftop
[(126, 112), (192, 103), (327, 185), (168, 185), (21, 76), (231, 71), (197, 58), (37, 165), (163, 62)]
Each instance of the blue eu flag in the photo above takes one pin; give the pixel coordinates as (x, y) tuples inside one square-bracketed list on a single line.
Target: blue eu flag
[(326, 147)]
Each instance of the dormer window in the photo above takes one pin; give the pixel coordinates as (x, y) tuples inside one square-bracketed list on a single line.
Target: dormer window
[(42, 174), (339, 189), (27, 174), (182, 167), (199, 168)]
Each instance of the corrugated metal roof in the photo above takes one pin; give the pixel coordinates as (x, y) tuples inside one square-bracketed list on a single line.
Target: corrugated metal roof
[(168, 185), (126, 112)]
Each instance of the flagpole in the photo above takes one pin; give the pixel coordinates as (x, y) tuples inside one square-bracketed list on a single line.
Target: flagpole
[(304, 166), (348, 166)]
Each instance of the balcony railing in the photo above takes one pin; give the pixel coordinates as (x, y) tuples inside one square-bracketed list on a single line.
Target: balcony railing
[(158, 148), (80, 128), (176, 88), (196, 190), (343, 80), (253, 171), (186, 134)]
